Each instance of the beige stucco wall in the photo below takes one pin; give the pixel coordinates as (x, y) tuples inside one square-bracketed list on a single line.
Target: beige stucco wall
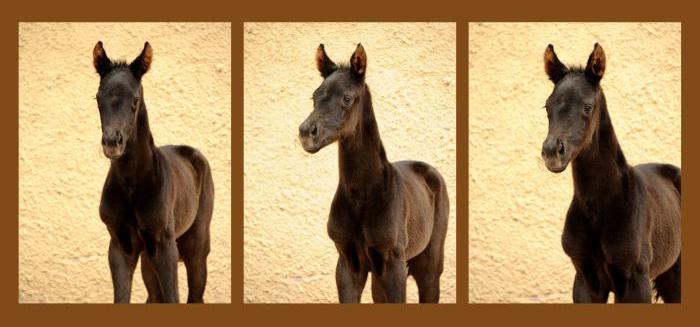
[(62, 241), (411, 72), (516, 206)]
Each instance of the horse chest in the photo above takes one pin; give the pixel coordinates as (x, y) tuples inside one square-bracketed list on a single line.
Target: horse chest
[(370, 222), (604, 239)]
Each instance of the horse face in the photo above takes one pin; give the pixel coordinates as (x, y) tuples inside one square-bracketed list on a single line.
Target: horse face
[(572, 109), (119, 98), (335, 112)]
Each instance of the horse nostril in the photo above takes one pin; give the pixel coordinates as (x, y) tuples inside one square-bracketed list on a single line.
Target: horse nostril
[(560, 148), (104, 142), (314, 130), (120, 140)]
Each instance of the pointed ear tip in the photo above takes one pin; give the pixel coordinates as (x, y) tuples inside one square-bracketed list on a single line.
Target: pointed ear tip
[(549, 51)]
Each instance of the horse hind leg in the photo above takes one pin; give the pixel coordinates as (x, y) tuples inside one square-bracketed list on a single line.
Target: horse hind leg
[(668, 284), (194, 247), (195, 244), (426, 269)]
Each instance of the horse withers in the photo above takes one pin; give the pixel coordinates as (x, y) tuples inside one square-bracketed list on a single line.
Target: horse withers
[(157, 202), (389, 219), (623, 227)]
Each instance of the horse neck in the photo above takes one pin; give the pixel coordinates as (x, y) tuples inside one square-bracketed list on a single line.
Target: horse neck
[(600, 169), (140, 157), (361, 155)]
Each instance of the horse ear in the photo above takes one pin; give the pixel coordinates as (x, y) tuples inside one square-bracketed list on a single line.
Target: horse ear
[(324, 64), (142, 63), (358, 61), (596, 64), (100, 60), (552, 66)]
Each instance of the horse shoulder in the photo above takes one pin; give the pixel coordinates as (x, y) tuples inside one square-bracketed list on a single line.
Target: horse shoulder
[(341, 226), (579, 235)]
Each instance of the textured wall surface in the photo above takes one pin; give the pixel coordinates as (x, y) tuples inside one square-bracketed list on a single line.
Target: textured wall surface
[(62, 241), (516, 206), (411, 72)]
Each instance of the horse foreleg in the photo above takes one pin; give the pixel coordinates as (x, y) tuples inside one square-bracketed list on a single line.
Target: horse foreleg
[(390, 270), (150, 279), (121, 266), (584, 293), (350, 281), (634, 288), (161, 249)]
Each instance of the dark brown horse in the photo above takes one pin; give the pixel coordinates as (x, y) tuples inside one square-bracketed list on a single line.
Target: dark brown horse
[(386, 218), (623, 227), (157, 202)]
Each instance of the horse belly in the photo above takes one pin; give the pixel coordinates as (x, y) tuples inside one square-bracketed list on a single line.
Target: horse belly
[(185, 214), (419, 222), (418, 235), (665, 236)]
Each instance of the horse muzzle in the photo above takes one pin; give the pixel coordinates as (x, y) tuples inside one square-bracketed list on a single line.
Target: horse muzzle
[(554, 155), (309, 135), (113, 144)]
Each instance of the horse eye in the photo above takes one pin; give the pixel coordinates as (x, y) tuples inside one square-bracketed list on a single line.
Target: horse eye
[(587, 109), (347, 98)]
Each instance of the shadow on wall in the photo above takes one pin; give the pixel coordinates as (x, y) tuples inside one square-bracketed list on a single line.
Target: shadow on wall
[(62, 241), (288, 255), (516, 206)]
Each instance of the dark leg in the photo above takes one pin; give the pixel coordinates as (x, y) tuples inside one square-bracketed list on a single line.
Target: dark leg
[(150, 279), (584, 293), (122, 266), (161, 249), (377, 291), (668, 284), (194, 248), (426, 269), (391, 272), (633, 289), (350, 282)]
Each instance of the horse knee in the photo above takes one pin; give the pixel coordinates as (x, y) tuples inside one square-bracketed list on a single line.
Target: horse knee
[(632, 285), (156, 239)]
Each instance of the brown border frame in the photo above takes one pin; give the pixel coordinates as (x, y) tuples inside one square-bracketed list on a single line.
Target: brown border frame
[(360, 10)]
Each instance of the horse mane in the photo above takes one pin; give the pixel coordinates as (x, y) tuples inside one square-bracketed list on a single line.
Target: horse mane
[(576, 69)]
